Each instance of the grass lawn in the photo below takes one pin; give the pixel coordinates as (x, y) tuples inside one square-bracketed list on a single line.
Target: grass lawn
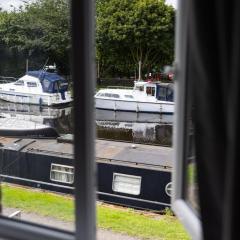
[(128, 221)]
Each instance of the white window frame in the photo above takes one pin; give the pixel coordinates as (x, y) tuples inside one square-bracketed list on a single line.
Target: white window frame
[(65, 166), (179, 204), (127, 176)]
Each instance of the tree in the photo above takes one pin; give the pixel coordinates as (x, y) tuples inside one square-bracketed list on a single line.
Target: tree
[(41, 26), (133, 31)]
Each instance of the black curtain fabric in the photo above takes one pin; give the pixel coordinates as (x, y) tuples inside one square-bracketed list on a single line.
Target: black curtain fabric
[(214, 72)]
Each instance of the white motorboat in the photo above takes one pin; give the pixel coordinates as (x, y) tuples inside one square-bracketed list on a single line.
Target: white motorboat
[(149, 97), (37, 87)]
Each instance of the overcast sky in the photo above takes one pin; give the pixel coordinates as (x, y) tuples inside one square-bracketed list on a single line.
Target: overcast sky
[(6, 4)]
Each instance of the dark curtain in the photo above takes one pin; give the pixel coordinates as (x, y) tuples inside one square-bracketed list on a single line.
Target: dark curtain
[(214, 71)]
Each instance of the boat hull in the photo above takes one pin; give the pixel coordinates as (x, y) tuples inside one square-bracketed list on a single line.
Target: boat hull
[(36, 99), (32, 162), (163, 107)]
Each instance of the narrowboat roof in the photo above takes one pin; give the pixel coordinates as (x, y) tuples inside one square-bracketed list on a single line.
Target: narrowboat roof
[(115, 152)]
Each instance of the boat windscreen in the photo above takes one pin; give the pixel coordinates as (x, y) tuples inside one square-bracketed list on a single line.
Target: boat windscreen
[(164, 93), (54, 87)]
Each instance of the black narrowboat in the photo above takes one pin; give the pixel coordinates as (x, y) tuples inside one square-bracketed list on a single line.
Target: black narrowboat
[(137, 176)]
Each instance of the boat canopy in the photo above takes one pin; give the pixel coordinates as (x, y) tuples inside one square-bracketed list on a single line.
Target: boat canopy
[(51, 82)]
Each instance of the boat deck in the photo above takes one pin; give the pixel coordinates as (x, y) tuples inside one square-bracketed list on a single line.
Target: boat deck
[(116, 152)]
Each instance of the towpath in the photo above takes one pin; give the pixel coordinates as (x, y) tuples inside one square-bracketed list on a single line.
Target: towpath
[(102, 234)]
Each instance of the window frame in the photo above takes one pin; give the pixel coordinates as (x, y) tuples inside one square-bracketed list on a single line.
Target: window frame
[(83, 52), (58, 171), (129, 176), (179, 205)]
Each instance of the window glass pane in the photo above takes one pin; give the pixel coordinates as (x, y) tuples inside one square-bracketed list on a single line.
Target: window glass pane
[(61, 173), (36, 137), (126, 184), (191, 184)]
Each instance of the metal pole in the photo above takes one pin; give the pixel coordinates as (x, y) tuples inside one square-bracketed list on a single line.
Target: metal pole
[(27, 65), (139, 70)]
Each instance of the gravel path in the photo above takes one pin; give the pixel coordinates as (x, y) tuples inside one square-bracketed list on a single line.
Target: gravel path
[(49, 221)]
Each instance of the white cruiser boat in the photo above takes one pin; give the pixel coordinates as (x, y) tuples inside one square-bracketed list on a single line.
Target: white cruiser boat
[(37, 87), (149, 97)]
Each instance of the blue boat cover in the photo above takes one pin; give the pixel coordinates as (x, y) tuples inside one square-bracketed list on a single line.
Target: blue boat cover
[(51, 82), (45, 75)]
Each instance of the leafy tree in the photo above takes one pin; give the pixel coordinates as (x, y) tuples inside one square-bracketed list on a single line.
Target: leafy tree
[(133, 31), (41, 26)]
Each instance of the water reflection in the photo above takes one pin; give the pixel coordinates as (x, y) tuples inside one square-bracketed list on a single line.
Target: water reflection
[(135, 127), (59, 118), (121, 126)]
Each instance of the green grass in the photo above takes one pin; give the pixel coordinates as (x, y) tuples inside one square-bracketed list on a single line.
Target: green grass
[(128, 221), (191, 173)]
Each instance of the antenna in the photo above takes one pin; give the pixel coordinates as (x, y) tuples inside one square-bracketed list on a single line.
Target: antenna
[(43, 69), (27, 61), (45, 64)]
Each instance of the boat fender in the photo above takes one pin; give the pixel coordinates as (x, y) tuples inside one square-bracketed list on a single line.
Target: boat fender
[(40, 101)]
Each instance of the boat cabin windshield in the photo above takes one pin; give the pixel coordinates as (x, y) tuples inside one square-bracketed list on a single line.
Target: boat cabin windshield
[(54, 86), (165, 93)]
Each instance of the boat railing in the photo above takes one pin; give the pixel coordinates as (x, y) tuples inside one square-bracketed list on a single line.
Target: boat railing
[(7, 79), (119, 87)]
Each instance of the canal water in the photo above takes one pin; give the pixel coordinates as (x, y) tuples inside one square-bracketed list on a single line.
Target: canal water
[(120, 126)]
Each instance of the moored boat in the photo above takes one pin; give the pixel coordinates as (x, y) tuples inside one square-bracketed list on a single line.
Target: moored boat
[(149, 97), (37, 87)]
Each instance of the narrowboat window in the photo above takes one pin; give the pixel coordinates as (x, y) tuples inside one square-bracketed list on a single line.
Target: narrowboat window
[(129, 184), (107, 95), (62, 173), (19, 83), (31, 84)]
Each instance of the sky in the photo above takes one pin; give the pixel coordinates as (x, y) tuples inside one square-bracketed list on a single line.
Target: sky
[(6, 4)]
